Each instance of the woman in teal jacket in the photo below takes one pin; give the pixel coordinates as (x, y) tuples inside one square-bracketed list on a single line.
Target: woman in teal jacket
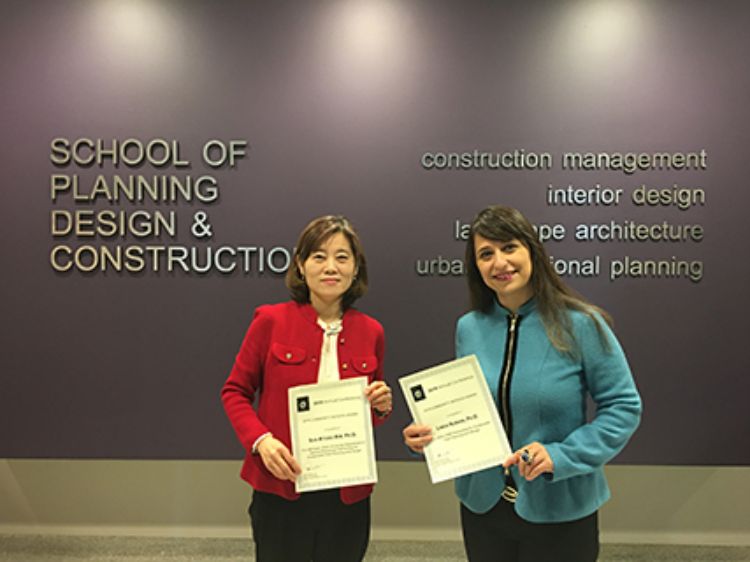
[(543, 350)]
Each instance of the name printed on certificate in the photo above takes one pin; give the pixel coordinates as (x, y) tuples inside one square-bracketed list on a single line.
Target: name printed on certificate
[(331, 431), (453, 399)]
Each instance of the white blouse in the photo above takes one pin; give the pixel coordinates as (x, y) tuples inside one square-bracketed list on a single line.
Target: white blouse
[(329, 355)]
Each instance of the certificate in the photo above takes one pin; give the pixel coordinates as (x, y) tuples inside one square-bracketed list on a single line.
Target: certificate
[(454, 400), (331, 430)]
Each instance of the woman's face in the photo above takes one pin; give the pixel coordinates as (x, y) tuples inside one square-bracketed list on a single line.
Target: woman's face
[(505, 268), (329, 270)]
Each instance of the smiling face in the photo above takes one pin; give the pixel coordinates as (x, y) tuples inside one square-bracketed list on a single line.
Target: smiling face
[(506, 269), (329, 271)]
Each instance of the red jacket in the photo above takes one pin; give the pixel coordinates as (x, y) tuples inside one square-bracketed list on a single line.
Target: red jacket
[(281, 350)]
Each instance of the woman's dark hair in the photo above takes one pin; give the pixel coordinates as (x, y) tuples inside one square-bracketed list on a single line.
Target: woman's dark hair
[(314, 235), (553, 297)]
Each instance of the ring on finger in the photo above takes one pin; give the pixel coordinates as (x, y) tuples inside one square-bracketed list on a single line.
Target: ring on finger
[(527, 456)]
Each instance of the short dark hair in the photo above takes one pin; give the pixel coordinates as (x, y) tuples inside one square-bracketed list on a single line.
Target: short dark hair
[(313, 236), (553, 296)]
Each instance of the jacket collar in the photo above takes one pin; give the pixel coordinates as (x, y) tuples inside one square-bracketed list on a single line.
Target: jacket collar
[(526, 308), (311, 315)]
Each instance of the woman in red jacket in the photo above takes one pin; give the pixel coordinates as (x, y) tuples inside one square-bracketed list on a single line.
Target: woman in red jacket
[(315, 337)]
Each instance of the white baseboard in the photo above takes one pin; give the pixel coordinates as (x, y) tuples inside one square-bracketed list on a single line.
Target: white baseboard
[(675, 538), (378, 534), (415, 534), (240, 532)]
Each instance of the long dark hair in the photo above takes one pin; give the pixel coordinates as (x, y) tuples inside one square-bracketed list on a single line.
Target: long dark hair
[(553, 296), (313, 237)]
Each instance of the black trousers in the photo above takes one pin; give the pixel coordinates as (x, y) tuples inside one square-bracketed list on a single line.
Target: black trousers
[(318, 527), (500, 535)]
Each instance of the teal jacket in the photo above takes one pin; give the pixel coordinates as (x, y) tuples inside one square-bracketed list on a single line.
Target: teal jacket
[(548, 395)]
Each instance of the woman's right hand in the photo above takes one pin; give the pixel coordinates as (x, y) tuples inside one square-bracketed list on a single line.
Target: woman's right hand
[(417, 437), (278, 459)]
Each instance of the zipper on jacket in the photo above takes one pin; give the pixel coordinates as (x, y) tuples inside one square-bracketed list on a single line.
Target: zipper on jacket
[(507, 371), (510, 493)]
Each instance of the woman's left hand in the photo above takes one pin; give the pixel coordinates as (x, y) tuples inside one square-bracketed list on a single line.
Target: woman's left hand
[(532, 460), (380, 397)]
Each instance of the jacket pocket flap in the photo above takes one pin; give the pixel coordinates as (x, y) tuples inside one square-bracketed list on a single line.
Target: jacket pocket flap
[(364, 364), (288, 353)]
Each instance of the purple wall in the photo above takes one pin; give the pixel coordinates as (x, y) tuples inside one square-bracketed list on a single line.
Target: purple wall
[(338, 102)]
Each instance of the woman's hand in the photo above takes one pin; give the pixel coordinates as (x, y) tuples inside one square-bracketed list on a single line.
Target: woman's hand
[(277, 459), (532, 460), (380, 397), (417, 437)]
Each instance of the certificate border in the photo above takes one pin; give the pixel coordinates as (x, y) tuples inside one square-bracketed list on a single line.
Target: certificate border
[(476, 369), (325, 484)]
